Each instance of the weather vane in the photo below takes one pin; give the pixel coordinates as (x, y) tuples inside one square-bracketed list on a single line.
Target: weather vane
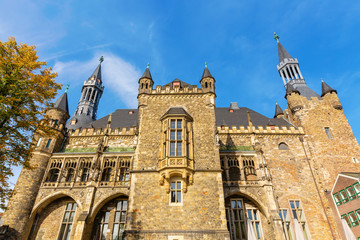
[(205, 64), (276, 37), (147, 65), (67, 87), (101, 59)]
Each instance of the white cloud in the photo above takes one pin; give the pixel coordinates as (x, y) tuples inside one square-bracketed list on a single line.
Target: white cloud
[(119, 76)]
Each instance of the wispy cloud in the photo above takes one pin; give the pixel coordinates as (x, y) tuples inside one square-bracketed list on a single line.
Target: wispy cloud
[(119, 76)]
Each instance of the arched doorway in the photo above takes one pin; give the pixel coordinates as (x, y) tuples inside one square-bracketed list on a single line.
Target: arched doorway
[(239, 210), (110, 221), (56, 220)]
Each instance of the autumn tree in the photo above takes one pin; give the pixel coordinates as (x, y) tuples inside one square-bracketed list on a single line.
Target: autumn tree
[(27, 87)]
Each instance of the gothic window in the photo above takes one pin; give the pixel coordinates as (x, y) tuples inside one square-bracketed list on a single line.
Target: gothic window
[(110, 221), (53, 175), (67, 221), (283, 146), (175, 191), (249, 166), (85, 174), (70, 174), (285, 220), (254, 217), (298, 213), (109, 166), (106, 175)]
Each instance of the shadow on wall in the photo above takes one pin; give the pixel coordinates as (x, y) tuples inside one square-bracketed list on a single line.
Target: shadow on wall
[(8, 233)]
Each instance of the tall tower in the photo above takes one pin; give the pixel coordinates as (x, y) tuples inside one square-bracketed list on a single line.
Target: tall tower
[(91, 92), (27, 187), (290, 73)]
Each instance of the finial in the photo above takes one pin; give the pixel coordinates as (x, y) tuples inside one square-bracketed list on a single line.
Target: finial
[(67, 87), (205, 64), (101, 59), (276, 37), (321, 80), (147, 65)]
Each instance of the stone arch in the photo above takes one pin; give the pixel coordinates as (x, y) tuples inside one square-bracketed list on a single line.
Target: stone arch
[(102, 202), (251, 197), (45, 203)]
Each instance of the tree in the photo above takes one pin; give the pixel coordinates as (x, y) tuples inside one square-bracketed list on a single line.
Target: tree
[(26, 90)]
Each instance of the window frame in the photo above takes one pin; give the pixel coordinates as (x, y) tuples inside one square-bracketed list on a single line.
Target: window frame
[(64, 232), (353, 223), (344, 200), (338, 203), (302, 220), (48, 144), (286, 223), (355, 190), (254, 221), (347, 220), (352, 197), (176, 190), (357, 213)]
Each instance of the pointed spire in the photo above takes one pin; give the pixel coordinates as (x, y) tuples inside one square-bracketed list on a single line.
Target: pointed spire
[(278, 110), (147, 73), (97, 73), (62, 103), (326, 88), (206, 72), (281, 50)]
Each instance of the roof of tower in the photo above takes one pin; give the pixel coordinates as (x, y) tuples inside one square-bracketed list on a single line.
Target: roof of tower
[(62, 103), (282, 53), (278, 110), (290, 89), (97, 73), (206, 73), (326, 88), (147, 73)]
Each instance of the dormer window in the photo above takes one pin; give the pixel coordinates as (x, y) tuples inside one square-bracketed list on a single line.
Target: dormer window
[(176, 84)]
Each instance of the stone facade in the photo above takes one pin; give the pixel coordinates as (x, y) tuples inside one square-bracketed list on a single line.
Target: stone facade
[(186, 169)]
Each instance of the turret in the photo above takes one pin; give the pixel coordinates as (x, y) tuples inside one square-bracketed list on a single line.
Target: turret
[(278, 111), (330, 95), (47, 139), (145, 82), (207, 81), (91, 92), (290, 73)]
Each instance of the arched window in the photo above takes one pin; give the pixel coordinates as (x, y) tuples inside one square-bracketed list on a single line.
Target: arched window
[(85, 175), (70, 175), (283, 146), (53, 175), (106, 175), (206, 84)]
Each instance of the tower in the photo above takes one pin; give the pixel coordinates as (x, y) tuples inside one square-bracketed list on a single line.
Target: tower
[(47, 139), (91, 92), (207, 81), (145, 82)]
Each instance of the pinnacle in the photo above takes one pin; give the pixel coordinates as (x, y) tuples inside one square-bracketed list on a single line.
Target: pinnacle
[(326, 88)]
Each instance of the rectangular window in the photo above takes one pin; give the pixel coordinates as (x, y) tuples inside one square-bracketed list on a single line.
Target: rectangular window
[(351, 193), (357, 188), (48, 143), (298, 213), (175, 192), (346, 219), (66, 225), (344, 196), (328, 133), (353, 219), (285, 219), (176, 138), (357, 213), (119, 220), (253, 215), (337, 199), (236, 219)]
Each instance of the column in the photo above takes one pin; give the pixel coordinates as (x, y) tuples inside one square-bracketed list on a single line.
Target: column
[(282, 76)]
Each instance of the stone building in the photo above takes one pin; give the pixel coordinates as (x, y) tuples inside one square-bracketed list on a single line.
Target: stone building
[(178, 167)]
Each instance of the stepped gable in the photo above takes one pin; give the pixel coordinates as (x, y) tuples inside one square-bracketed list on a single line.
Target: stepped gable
[(239, 117), (121, 118)]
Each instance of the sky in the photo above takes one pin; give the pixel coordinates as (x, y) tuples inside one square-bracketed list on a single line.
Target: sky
[(176, 38)]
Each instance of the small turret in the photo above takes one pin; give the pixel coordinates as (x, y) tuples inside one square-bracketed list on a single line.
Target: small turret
[(91, 93), (278, 111), (207, 81), (326, 89), (330, 95), (145, 82)]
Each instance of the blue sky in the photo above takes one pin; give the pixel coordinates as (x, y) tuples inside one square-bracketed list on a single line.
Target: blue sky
[(235, 38)]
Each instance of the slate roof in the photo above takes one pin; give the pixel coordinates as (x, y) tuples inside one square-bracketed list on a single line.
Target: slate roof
[(62, 103), (122, 119), (278, 110), (239, 117), (182, 84), (207, 73), (146, 74), (282, 53), (97, 73), (326, 89)]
